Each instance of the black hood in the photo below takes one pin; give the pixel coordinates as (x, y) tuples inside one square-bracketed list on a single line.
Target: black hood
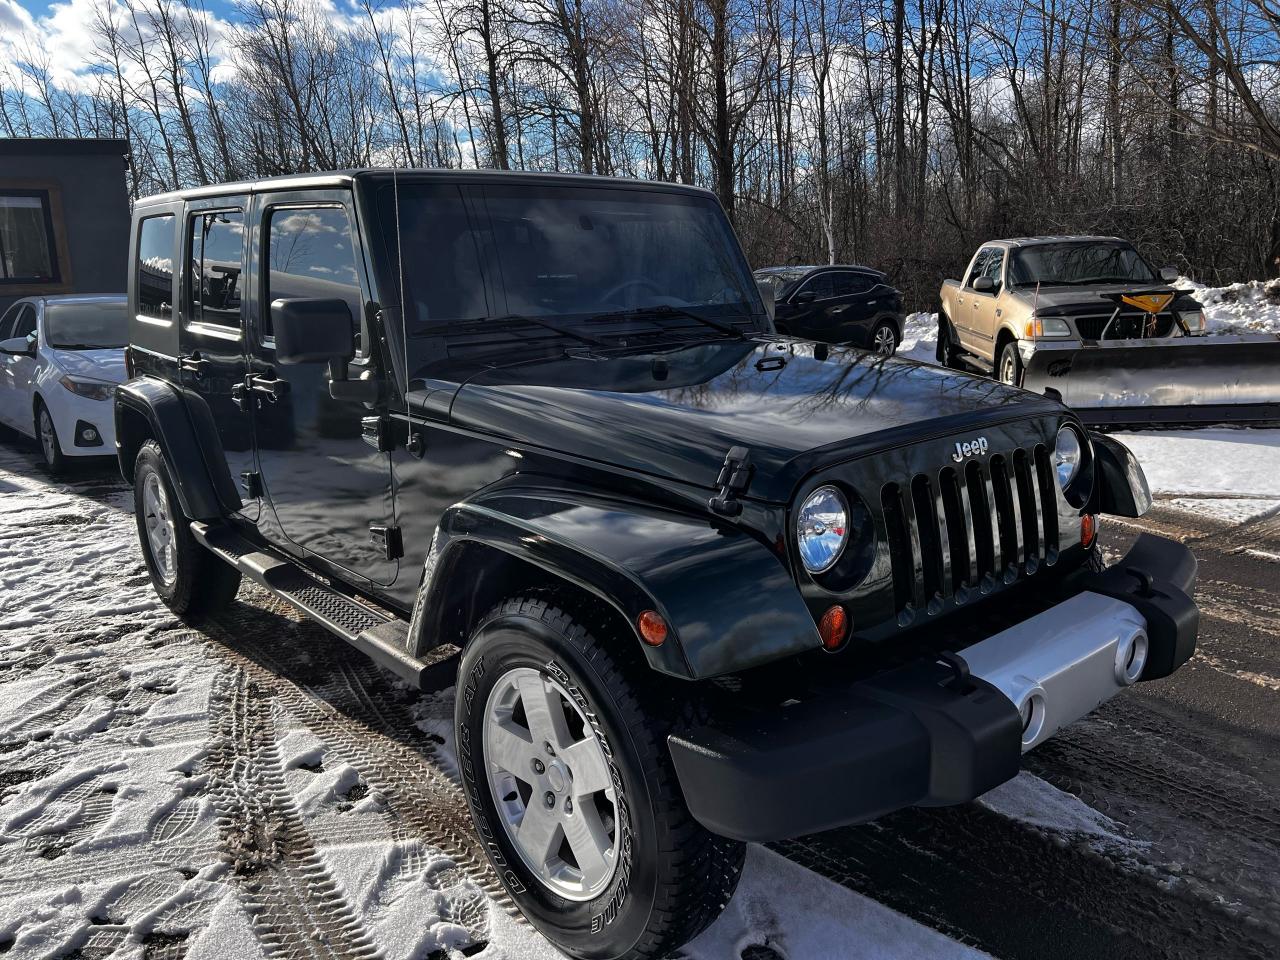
[(676, 414)]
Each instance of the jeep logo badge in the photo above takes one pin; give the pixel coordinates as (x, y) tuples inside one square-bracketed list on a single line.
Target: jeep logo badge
[(969, 448)]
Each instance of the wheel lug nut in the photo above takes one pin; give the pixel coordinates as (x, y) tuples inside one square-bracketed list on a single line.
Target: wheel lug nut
[(549, 799), (551, 751), (568, 805), (538, 766)]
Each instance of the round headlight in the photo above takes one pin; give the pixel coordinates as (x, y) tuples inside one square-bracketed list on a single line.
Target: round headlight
[(1067, 456), (822, 528)]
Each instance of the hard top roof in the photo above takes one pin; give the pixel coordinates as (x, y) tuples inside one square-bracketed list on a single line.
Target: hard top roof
[(1038, 241), (345, 178)]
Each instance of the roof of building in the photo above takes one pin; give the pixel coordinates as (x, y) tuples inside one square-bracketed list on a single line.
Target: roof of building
[(61, 146)]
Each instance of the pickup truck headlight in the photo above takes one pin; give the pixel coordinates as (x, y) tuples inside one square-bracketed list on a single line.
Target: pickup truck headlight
[(1044, 327), (92, 389), (1193, 320), (1068, 454), (822, 529)]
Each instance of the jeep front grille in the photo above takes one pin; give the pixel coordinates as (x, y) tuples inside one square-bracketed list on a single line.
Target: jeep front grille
[(957, 533), (1129, 325)]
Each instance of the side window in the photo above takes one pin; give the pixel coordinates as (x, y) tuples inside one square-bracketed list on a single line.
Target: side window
[(979, 267), (310, 254), (216, 262), (823, 286), (6, 321), (850, 284), (994, 267), (26, 323), (154, 267)]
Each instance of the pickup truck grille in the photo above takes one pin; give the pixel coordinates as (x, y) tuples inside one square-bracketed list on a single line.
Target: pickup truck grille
[(959, 532), (1129, 325)]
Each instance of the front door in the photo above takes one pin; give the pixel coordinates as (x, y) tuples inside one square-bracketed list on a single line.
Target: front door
[(326, 486), (211, 359)]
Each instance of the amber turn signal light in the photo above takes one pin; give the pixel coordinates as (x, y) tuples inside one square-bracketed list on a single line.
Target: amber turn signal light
[(833, 628), (1088, 529), (653, 628)]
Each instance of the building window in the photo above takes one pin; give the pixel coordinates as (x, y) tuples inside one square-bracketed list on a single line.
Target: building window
[(27, 251)]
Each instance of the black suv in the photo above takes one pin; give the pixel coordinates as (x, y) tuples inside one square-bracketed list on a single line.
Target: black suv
[(836, 304), (700, 583)]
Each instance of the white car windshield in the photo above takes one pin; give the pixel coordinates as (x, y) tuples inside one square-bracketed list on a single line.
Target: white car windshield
[(87, 326)]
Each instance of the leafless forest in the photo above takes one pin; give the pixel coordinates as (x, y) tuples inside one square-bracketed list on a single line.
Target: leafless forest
[(898, 133)]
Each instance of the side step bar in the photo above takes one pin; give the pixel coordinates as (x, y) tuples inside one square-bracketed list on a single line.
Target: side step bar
[(380, 636)]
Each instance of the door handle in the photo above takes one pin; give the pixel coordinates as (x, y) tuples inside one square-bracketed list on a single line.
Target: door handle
[(273, 386), (194, 364)]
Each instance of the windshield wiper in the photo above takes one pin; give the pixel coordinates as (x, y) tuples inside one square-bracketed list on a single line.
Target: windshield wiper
[(665, 310), (509, 318)]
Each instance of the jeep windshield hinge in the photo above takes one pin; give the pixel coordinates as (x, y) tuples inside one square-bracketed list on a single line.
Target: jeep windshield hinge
[(734, 478), (388, 538)]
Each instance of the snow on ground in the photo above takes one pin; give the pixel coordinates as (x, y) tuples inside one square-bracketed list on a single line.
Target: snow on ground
[(1250, 307), (119, 756)]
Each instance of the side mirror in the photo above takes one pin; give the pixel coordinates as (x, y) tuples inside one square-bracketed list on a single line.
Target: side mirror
[(18, 347), (1168, 274), (984, 285), (804, 296), (767, 295), (313, 331)]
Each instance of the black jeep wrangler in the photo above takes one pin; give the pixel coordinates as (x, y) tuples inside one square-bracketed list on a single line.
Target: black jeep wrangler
[(709, 584)]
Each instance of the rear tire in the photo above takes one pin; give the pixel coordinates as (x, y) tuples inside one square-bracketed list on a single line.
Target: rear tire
[(658, 878), (1009, 370), (191, 581), (884, 338), (47, 436)]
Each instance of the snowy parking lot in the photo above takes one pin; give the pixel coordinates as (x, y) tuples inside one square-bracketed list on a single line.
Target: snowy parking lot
[(252, 789)]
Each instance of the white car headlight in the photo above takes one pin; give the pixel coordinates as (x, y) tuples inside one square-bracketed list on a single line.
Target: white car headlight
[(822, 529), (92, 389), (1068, 454)]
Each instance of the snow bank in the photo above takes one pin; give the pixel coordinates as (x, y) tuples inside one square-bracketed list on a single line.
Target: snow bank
[(1240, 463), (1249, 307)]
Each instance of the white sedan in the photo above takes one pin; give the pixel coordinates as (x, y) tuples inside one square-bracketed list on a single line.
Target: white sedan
[(60, 361)]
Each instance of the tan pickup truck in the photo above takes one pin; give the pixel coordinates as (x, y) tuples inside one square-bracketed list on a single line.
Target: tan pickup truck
[(1020, 294)]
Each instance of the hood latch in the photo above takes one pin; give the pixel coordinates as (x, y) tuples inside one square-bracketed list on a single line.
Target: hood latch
[(734, 478)]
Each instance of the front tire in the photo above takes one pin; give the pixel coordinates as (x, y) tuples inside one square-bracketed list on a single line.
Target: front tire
[(561, 732), (47, 436), (1009, 370), (190, 580)]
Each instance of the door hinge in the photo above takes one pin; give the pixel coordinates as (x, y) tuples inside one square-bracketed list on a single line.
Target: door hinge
[(389, 539), (251, 484), (734, 478)]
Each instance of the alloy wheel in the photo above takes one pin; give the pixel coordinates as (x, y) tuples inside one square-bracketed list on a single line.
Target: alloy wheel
[(48, 437), (551, 784), (161, 532), (885, 343)]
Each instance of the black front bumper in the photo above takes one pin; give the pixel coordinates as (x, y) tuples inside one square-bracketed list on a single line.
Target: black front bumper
[(913, 736)]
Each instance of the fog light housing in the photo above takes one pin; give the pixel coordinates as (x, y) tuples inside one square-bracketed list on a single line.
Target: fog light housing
[(86, 434)]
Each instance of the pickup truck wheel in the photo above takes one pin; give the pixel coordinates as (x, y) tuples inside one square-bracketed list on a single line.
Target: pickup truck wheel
[(190, 580), (562, 746), (1010, 369)]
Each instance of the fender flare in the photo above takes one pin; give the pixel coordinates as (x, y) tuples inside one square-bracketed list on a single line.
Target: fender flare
[(1120, 485), (729, 602), (169, 423)]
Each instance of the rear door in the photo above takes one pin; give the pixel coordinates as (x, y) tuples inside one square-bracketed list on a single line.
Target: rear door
[(211, 357), (326, 486)]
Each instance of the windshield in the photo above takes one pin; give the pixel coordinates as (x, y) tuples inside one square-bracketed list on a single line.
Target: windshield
[(574, 260), (1078, 264), (86, 326)]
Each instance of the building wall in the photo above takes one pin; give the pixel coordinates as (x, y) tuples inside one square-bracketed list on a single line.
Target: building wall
[(88, 205)]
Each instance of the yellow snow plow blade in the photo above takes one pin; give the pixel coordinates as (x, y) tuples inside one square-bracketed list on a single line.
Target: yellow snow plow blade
[(1185, 380)]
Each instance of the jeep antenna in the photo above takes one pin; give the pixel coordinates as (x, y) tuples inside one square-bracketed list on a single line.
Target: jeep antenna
[(404, 323)]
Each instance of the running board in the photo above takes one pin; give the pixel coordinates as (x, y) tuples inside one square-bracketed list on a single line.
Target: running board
[(379, 635)]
